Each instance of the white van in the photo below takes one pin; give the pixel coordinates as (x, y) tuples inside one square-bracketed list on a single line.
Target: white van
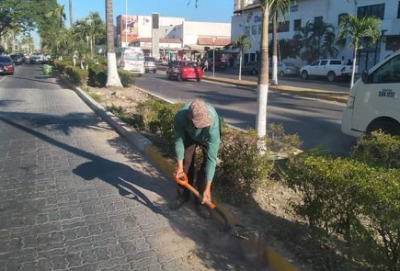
[(130, 59), (374, 100)]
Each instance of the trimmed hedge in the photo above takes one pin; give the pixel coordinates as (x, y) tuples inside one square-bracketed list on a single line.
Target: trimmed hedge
[(77, 75), (352, 200), (97, 76), (127, 78)]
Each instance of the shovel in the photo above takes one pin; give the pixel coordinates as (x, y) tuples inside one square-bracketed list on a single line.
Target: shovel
[(234, 230)]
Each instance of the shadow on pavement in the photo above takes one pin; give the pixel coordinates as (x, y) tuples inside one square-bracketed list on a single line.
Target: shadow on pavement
[(217, 250)]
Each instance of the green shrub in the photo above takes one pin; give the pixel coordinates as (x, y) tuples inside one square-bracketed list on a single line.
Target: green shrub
[(381, 150), (127, 78), (352, 200), (241, 169), (97, 76), (61, 65), (76, 75)]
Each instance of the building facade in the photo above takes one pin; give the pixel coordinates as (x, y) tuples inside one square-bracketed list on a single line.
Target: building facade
[(177, 36), (247, 20)]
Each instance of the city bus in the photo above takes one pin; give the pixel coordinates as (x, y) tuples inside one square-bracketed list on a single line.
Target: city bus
[(130, 59)]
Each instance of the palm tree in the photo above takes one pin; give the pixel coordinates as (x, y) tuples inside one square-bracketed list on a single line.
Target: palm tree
[(276, 7), (58, 13), (243, 44), (321, 31), (113, 79), (71, 20), (359, 29)]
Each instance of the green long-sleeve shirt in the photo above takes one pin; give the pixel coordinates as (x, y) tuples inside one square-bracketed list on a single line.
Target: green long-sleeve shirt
[(209, 135)]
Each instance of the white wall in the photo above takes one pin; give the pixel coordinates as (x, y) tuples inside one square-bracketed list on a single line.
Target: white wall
[(192, 30), (145, 26), (308, 9)]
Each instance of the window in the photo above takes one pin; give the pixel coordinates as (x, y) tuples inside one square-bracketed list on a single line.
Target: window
[(294, 8), (315, 63), (318, 19), (323, 62), (374, 10), (284, 26), (254, 29), (247, 30), (336, 62), (388, 72), (297, 24), (259, 29), (398, 11), (341, 17)]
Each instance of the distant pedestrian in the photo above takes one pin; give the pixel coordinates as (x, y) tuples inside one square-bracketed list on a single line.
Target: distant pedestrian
[(205, 65)]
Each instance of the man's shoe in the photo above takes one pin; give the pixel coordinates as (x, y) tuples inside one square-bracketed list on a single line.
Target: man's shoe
[(203, 211), (178, 203)]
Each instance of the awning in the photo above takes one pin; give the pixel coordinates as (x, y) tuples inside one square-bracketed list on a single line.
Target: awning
[(194, 47)]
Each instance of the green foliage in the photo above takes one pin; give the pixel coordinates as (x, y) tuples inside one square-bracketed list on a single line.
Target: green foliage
[(358, 201), (76, 75), (95, 97), (61, 65), (127, 78), (97, 76), (378, 150), (359, 28)]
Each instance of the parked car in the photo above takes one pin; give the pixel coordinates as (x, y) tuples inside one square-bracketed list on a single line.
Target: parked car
[(286, 69), (37, 59), (18, 59), (252, 67), (220, 63), (330, 68), (183, 70), (150, 64), (7, 65)]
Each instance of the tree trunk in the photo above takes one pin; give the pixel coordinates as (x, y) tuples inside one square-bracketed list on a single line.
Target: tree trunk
[(353, 72), (261, 121), (71, 19), (274, 80), (113, 79), (240, 66)]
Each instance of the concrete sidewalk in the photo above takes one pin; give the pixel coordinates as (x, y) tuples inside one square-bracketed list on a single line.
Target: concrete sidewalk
[(269, 257)]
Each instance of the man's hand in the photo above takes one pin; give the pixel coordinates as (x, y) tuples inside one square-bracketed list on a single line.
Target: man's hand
[(179, 170), (207, 193)]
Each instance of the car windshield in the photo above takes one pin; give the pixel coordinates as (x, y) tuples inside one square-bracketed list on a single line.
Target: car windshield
[(149, 59), (134, 55), (289, 64), (5, 59)]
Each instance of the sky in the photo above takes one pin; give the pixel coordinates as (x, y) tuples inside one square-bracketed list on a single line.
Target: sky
[(207, 10)]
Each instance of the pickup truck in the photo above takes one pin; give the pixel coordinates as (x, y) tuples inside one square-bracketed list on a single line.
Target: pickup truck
[(331, 68)]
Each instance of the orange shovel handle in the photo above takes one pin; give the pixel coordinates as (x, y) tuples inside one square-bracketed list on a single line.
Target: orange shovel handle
[(184, 181)]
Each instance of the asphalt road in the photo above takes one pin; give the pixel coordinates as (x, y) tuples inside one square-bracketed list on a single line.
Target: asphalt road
[(74, 195), (316, 122), (313, 83)]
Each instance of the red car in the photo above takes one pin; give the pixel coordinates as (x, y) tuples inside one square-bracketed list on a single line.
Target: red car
[(183, 70), (6, 65)]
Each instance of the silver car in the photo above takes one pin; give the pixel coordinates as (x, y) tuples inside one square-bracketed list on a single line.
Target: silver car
[(285, 69), (150, 64)]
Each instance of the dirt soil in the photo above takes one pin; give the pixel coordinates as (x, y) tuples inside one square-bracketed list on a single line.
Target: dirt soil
[(267, 217)]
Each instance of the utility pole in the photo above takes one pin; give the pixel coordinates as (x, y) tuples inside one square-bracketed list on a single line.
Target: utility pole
[(126, 23)]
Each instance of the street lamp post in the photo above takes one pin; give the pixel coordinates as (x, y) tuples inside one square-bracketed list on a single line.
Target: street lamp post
[(213, 40), (126, 23)]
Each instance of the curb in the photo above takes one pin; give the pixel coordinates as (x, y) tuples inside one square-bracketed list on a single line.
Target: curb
[(270, 257), (309, 93)]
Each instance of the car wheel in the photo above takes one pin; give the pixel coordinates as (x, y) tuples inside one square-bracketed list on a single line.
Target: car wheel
[(387, 126), (198, 79), (154, 71), (254, 72), (331, 76), (304, 75), (281, 73), (179, 77)]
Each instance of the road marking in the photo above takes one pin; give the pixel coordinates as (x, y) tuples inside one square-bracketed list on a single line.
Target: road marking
[(3, 78)]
